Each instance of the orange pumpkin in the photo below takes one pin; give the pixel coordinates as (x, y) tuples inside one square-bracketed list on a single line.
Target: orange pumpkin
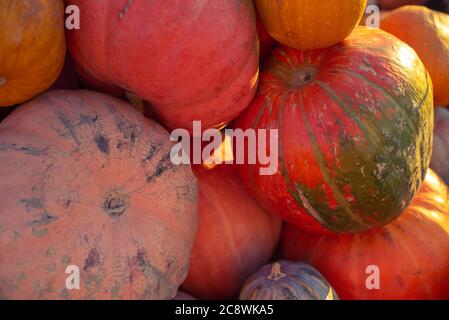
[(409, 257), (427, 32), (235, 238), (32, 48), (310, 24), (86, 181)]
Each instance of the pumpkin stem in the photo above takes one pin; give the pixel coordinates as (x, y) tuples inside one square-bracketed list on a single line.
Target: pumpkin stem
[(302, 77), (2, 81), (114, 204), (276, 273)]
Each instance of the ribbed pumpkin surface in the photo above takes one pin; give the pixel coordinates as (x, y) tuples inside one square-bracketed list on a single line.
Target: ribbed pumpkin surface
[(355, 132), (411, 254), (286, 280)]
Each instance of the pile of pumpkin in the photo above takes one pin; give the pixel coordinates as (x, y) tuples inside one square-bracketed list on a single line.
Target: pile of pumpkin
[(86, 178)]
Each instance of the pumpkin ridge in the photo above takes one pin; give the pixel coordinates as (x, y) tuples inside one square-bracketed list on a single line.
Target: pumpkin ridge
[(396, 103), (414, 127), (286, 57), (301, 282), (308, 58), (293, 192), (255, 126), (325, 170), (298, 282)]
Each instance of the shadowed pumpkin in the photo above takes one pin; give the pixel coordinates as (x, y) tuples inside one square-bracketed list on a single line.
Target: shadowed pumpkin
[(235, 237)]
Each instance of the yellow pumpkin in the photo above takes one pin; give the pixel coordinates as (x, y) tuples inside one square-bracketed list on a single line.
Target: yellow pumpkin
[(310, 24), (32, 48), (426, 31)]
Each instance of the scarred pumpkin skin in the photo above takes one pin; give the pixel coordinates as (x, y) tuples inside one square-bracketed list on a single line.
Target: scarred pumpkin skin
[(32, 48), (190, 60), (310, 24), (87, 181), (235, 237), (285, 280), (440, 155), (355, 128), (411, 254), (426, 31)]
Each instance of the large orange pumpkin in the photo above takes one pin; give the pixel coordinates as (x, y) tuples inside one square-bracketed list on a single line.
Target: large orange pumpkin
[(410, 256), (355, 127), (67, 79), (235, 238), (87, 181), (191, 60), (32, 48), (310, 24), (427, 32)]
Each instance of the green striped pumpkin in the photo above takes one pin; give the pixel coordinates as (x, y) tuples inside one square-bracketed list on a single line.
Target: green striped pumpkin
[(286, 280), (354, 132)]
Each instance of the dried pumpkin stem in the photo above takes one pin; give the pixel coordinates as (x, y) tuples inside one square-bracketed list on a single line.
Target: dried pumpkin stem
[(276, 273), (114, 204), (303, 77), (2, 81)]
